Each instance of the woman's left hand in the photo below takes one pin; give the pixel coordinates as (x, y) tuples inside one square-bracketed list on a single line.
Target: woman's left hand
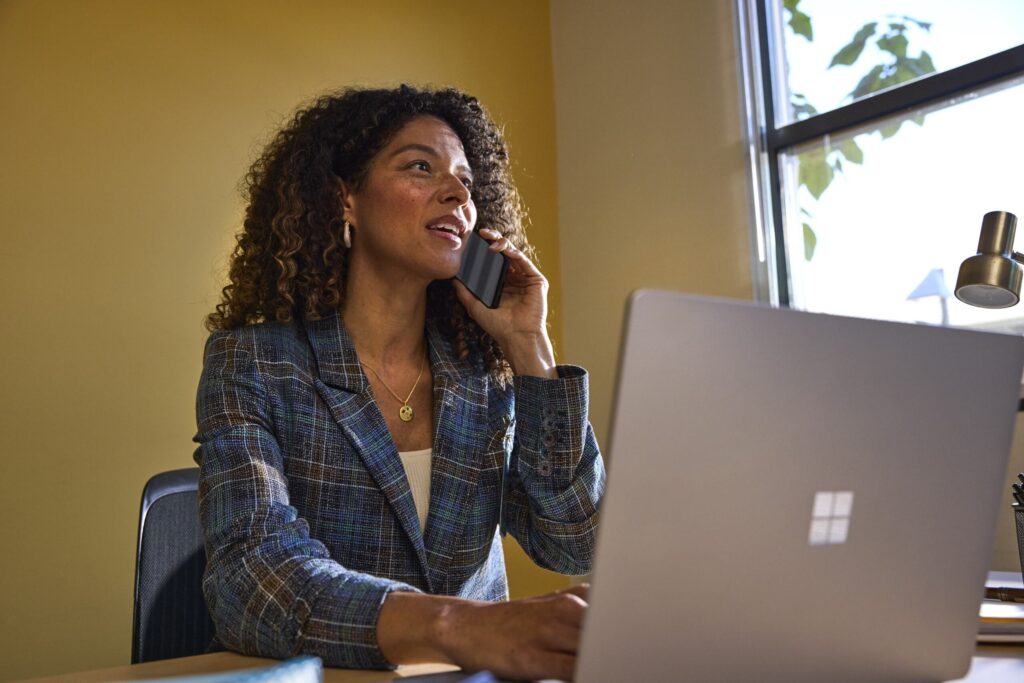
[(519, 324)]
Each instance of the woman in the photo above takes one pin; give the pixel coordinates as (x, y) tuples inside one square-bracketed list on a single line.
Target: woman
[(355, 515)]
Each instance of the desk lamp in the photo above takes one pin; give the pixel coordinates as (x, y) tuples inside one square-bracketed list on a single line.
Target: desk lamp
[(991, 278)]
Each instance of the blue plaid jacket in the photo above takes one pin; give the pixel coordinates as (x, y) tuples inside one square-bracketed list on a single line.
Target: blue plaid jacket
[(308, 518)]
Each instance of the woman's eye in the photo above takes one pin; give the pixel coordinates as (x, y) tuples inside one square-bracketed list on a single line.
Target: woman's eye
[(420, 166), (468, 182)]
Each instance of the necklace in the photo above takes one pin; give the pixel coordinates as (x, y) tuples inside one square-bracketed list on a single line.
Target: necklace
[(405, 412)]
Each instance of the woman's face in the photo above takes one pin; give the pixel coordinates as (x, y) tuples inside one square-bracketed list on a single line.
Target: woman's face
[(414, 211)]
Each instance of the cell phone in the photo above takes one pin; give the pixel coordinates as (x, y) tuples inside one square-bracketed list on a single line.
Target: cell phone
[(483, 271)]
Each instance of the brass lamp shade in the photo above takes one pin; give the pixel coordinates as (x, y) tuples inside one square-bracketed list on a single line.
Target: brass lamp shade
[(992, 278), (989, 281)]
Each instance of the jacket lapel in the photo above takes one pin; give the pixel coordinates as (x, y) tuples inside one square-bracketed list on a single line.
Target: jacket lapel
[(460, 430), (346, 391)]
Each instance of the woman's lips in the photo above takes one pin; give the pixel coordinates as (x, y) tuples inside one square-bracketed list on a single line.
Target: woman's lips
[(445, 231)]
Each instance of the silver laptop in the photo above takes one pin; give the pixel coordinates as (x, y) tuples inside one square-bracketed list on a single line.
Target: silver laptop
[(795, 496)]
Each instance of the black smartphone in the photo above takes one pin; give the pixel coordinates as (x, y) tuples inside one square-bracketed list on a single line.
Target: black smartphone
[(482, 271)]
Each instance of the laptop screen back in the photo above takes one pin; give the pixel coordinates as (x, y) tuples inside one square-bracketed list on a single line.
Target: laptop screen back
[(796, 496)]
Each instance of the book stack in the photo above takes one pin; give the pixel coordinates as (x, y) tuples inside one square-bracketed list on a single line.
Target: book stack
[(1002, 621)]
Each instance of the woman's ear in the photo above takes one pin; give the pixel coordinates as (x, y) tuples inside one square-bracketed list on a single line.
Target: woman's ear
[(347, 200)]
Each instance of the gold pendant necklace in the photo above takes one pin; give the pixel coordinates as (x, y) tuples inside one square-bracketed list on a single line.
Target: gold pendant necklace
[(405, 413)]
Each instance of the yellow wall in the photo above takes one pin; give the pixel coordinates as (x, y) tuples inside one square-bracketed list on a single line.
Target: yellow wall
[(651, 184), (124, 129)]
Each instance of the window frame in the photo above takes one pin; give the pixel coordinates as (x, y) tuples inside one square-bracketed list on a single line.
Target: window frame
[(757, 28)]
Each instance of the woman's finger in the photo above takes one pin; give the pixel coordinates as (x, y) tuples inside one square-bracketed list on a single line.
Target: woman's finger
[(526, 267), (498, 242), (564, 664), (561, 637), (502, 245), (543, 664), (581, 590), (569, 608)]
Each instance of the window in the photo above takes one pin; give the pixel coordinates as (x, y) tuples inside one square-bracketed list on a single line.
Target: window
[(881, 133)]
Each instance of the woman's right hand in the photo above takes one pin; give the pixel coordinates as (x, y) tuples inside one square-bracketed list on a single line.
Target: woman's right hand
[(531, 638)]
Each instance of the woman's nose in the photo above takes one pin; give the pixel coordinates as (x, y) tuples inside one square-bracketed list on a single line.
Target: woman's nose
[(455, 190)]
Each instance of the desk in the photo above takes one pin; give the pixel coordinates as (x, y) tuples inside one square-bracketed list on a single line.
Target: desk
[(992, 664), (219, 662)]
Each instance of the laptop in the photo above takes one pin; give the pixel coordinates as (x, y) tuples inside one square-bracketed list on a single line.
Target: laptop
[(796, 496)]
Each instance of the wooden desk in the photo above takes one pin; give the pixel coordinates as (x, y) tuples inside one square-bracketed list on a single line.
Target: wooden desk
[(992, 664)]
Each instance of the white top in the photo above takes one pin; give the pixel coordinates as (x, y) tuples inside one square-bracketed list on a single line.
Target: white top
[(417, 471)]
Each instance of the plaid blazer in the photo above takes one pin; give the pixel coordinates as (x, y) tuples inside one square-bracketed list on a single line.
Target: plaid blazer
[(307, 515)]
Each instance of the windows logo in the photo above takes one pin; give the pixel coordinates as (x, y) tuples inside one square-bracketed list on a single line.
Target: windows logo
[(830, 517)]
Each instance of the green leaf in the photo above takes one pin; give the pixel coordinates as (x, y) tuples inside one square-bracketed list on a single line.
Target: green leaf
[(810, 242), (924, 62), (800, 105), (798, 21), (899, 28), (801, 25), (926, 25), (901, 74), (888, 131), (852, 151), (913, 66), (815, 172), (896, 45), (872, 82), (919, 119), (849, 53), (919, 66)]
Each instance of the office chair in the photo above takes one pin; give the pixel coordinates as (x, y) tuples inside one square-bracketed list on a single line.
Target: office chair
[(170, 619)]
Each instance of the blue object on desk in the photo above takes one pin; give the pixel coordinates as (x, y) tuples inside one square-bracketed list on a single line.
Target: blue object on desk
[(481, 677), (303, 669)]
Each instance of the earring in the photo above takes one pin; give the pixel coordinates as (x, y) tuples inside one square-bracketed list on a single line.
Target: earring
[(347, 235)]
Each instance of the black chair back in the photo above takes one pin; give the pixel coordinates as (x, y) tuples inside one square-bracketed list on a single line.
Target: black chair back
[(171, 619)]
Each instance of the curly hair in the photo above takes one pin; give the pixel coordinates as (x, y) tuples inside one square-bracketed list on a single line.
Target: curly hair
[(289, 261)]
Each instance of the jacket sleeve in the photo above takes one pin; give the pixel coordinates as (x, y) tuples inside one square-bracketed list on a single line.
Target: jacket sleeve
[(556, 476), (272, 590)]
